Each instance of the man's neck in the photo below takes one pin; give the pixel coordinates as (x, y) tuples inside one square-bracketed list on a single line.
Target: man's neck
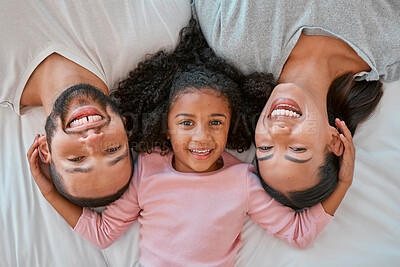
[(53, 76)]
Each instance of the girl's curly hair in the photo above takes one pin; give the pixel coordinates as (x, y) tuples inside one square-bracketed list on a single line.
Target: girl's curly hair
[(145, 97)]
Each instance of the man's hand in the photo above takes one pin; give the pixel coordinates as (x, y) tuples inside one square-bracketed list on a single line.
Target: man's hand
[(347, 161), (40, 170)]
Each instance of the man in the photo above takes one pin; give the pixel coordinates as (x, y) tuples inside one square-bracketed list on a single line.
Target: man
[(86, 146), (82, 48)]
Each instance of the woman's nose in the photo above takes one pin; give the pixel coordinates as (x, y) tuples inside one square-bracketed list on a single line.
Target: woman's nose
[(92, 139), (279, 129)]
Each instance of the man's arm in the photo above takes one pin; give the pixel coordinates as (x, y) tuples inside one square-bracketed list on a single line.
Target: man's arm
[(70, 212), (101, 230)]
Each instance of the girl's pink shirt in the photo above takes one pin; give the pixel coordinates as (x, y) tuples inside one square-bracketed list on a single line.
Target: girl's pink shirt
[(195, 219)]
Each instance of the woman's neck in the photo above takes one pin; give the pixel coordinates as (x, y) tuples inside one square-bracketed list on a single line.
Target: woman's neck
[(316, 61)]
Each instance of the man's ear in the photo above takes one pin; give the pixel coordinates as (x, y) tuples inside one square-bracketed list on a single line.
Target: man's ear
[(336, 144), (44, 149)]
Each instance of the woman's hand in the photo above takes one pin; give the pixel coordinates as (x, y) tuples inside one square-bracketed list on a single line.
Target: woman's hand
[(346, 170), (347, 160), (40, 170)]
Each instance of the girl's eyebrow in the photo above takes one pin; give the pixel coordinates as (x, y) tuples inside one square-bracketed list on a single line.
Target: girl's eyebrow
[(184, 114), (218, 115), (191, 115)]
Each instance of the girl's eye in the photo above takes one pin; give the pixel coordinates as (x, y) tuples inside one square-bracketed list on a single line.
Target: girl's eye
[(76, 159), (113, 149), (186, 123), (215, 122), (264, 148), (298, 149)]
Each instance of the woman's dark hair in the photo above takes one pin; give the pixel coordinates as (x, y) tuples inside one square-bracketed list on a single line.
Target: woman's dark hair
[(147, 95), (353, 102)]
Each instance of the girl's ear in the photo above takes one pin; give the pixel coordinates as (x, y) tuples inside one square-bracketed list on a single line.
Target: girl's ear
[(168, 135), (44, 152), (336, 144)]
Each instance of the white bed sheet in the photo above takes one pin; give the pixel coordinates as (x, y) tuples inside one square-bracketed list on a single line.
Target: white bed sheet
[(364, 232)]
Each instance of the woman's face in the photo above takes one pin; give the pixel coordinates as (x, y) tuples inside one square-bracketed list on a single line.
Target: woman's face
[(292, 137)]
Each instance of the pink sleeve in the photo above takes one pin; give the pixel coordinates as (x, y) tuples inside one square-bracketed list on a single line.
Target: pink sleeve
[(298, 229), (104, 229)]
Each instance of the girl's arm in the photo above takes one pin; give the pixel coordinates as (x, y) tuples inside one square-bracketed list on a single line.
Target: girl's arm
[(302, 228), (345, 173), (101, 230), (70, 212)]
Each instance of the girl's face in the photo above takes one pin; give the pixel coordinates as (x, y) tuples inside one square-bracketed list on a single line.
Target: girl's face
[(198, 126)]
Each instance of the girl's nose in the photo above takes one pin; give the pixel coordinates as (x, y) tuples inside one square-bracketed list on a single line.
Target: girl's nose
[(201, 134)]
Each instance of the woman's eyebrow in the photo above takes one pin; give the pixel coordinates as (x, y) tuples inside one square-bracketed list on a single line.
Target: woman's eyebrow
[(297, 160), (264, 158), (287, 157)]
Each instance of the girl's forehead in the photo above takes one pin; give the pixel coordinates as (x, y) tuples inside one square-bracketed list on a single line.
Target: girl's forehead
[(197, 92)]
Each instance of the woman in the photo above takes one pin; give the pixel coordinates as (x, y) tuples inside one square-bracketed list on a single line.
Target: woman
[(328, 60)]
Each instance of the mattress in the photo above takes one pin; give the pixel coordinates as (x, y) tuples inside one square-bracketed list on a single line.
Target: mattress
[(364, 232)]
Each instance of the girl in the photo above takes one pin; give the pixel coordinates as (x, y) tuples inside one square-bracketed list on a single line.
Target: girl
[(190, 196)]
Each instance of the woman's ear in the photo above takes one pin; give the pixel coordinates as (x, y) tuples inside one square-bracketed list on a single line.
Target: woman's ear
[(336, 144), (168, 135), (44, 152)]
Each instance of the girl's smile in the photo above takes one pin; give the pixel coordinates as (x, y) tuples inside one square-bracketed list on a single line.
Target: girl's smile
[(198, 126)]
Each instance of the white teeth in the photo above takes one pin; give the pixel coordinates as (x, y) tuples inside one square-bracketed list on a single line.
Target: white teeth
[(200, 152), (84, 120), (284, 112)]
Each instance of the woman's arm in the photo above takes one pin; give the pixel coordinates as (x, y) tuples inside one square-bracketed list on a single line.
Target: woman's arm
[(300, 229), (346, 170)]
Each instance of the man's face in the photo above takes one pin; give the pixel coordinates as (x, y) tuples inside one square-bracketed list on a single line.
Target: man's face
[(89, 146)]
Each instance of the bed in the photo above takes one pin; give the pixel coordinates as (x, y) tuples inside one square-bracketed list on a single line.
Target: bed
[(364, 232)]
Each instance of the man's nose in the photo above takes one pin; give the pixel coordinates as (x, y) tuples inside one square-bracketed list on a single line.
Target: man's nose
[(92, 139)]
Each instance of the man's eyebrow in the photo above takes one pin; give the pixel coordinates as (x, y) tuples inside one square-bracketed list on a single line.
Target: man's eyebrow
[(184, 114), (297, 160), (119, 158), (265, 158), (79, 169)]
